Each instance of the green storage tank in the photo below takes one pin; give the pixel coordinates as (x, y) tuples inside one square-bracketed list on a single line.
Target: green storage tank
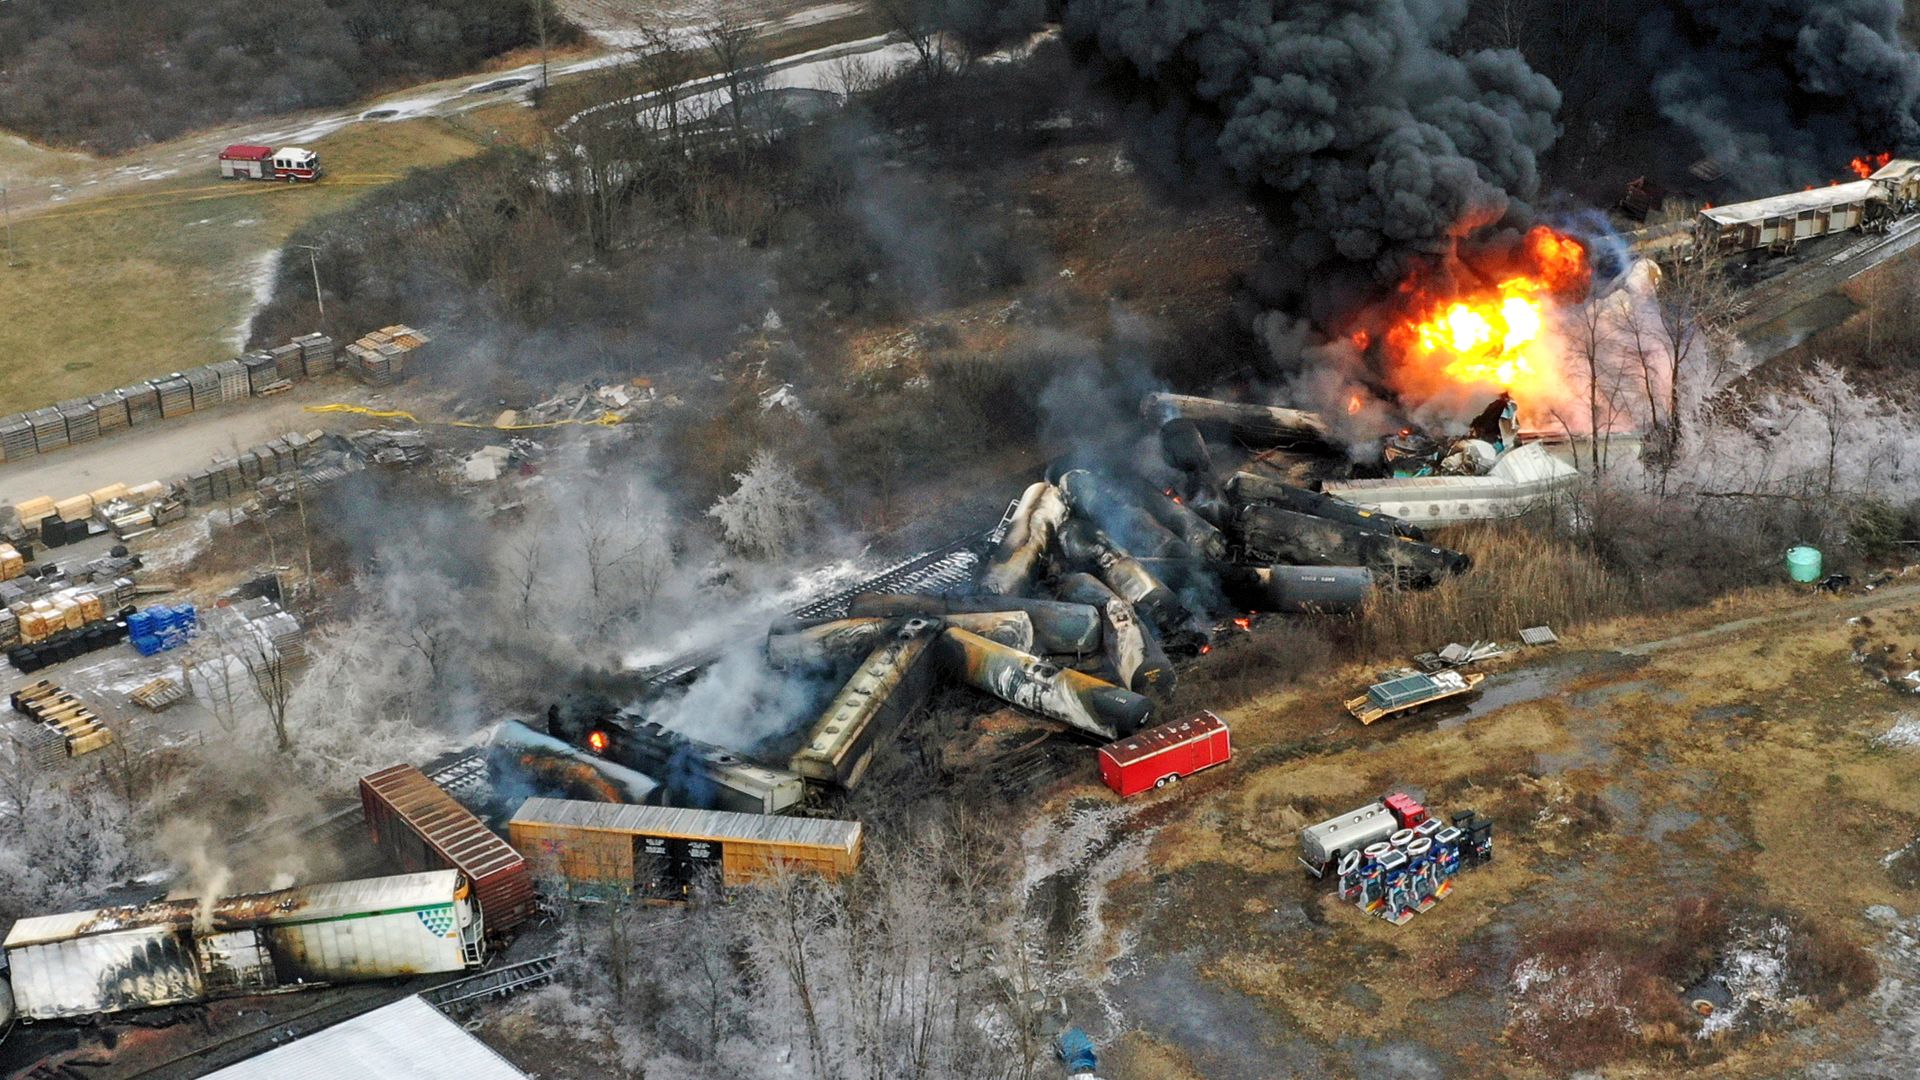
[(1803, 564)]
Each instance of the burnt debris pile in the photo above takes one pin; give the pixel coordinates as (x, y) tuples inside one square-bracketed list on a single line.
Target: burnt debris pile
[(1072, 608), (1097, 574)]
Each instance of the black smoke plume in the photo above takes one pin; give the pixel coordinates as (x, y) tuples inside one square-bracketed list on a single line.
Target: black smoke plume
[(1784, 93), (1370, 144)]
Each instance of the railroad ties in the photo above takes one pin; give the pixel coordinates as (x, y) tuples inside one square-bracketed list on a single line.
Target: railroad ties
[(492, 985)]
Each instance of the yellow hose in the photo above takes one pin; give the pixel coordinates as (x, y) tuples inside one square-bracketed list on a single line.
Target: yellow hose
[(605, 419)]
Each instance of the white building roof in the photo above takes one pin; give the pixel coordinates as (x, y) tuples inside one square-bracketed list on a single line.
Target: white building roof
[(407, 1040), (1794, 202)]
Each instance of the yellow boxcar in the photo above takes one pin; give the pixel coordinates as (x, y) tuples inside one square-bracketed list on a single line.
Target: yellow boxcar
[(662, 852)]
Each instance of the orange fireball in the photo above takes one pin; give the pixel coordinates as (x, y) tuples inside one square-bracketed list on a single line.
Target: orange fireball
[(1494, 336), (1866, 166)]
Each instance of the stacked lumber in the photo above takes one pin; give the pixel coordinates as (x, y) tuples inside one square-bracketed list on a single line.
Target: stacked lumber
[(65, 722)]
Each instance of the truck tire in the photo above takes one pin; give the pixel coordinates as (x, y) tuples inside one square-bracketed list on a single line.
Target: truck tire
[(1170, 778)]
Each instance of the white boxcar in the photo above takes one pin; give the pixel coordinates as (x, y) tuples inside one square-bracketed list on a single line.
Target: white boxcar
[(172, 951), (1523, 478)]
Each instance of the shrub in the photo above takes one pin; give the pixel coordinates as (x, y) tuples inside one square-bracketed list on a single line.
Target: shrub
[(1826, 965), (1520, 577), (1874, 527)]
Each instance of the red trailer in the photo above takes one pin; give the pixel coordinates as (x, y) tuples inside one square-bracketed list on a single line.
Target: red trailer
[(417, 824), (1161, 755)]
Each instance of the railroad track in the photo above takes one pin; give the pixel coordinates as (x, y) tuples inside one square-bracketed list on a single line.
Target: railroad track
[(493, 985), (948, 568)]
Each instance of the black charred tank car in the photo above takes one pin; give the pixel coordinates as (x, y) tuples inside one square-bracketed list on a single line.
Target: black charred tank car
[(691, 773)]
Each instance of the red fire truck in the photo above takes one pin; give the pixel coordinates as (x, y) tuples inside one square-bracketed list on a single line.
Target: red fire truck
[(1159, 756), (289, 163)]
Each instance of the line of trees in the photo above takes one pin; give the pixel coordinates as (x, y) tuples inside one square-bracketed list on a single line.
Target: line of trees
[(107, 75)]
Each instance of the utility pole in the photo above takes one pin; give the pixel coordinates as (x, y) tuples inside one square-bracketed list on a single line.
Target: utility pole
[(313, 260), (6, 211), (540, 28)]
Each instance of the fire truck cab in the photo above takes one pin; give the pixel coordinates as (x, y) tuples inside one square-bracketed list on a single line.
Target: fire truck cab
[(1323, 845), (292, 163)]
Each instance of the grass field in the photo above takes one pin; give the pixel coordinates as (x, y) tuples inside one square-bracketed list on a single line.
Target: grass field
[(161, 277), (162, 274)]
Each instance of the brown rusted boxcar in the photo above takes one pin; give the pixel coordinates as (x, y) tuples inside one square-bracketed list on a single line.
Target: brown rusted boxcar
[(587, 849), (421, 827)]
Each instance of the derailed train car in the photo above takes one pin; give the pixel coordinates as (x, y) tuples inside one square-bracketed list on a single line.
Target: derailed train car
[(169, 952)]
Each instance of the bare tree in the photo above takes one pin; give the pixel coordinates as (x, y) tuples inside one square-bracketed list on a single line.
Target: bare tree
[(1693, 303), (768, 512), (921, 23), (1590, 337), (740, 74)]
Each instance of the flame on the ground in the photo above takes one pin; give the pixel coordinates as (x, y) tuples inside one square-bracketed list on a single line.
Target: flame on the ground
[(1495, 335), (1866, 165)]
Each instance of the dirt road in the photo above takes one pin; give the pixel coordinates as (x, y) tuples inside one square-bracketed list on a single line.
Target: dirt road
[(168, 449)]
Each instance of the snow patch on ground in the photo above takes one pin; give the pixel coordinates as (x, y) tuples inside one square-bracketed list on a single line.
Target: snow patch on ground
[(1904, 733), (1754, 971), (260, 280)]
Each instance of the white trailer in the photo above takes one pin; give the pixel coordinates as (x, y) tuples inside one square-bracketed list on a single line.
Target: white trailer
[(172, 951)]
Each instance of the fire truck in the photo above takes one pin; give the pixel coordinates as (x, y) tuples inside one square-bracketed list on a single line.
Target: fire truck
[(290, 163)]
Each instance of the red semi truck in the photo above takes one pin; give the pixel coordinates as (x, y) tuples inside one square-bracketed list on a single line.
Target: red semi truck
[(1158, 756)]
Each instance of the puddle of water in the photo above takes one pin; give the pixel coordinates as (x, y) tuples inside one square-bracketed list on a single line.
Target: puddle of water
[(1668, 820)]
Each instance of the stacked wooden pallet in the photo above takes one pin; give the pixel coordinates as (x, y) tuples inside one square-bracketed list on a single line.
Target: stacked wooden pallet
[(49, 428), (233, 380), (83, 424), (67, 727), (110, 410), (204, 383), (176, 397), (143, 403), (317, 354)]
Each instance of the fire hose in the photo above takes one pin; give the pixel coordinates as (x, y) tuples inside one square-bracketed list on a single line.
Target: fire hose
[(605, 419)]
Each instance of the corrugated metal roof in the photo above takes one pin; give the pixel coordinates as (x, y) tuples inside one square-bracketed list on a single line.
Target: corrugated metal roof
[(719, 825), (1395, 692), (407, 1040), (1897, 169), (300, 904), (440, 819), (1145, 744), (1794, 202)]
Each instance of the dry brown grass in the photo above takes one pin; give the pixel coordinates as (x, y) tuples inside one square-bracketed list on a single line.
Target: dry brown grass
[(1520, 578)]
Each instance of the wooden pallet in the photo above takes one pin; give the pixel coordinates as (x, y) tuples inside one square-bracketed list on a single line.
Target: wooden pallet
[(158, 694)]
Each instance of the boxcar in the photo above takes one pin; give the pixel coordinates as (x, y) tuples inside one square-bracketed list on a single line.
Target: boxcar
[(172, 951), (589, 849), (1161, 755), (421, 827)]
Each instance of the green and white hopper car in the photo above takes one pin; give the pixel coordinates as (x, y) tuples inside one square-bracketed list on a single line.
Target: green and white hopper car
[(173, 951)]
